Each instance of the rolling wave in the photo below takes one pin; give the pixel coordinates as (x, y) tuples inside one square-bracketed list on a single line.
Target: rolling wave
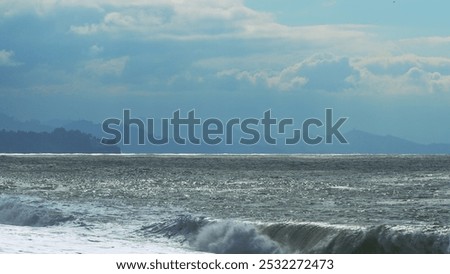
[(382, 239), (18, 212), (222, 237), (238, 237)]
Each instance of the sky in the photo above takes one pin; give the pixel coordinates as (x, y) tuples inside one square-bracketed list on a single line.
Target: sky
[(383, 64)]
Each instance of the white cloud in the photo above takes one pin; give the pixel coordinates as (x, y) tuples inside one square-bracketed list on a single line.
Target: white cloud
[(403, 74), (329, 3), (427, 41), (200, 19), (107, 67), (7, 60), (322, 72), (426, 46), (408, 60), (95, 49), (275, 56), (172, 19), (278, 81)]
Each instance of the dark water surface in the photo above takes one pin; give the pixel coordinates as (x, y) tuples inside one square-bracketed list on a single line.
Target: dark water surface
[(239, 203)]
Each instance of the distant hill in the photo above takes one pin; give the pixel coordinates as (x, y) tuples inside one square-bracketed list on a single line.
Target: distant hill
[(84, 126), (58, 141), (60, 137), (10, 123), (359, 141), (367, 143)]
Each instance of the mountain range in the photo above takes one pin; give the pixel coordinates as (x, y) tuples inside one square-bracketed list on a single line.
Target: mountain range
[(359, 142)]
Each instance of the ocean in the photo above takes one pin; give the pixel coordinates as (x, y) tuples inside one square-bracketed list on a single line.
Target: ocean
[(224, 204)]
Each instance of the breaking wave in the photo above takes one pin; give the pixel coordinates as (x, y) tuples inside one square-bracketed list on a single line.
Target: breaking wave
[(235, 237), (222, 237), (229, 237), (18, 212)]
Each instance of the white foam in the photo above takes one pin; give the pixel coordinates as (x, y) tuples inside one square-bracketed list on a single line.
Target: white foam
[(72, 240)]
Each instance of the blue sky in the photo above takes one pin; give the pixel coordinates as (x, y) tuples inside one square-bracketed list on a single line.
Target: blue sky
[(383, 64)]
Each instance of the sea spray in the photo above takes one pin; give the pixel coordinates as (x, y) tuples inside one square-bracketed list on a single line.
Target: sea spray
[(230, 237)]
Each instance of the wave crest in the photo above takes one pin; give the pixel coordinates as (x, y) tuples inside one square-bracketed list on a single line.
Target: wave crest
[(14, 211), (221, 237), (239, 237), (382, 239)]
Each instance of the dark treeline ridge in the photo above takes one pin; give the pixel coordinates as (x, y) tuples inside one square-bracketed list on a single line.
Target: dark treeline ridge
[(59, 140)]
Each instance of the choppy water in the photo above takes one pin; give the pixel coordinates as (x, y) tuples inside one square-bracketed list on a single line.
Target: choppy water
[(224, 204)]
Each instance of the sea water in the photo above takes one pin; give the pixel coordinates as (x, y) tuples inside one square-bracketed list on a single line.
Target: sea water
[(224, 204)]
